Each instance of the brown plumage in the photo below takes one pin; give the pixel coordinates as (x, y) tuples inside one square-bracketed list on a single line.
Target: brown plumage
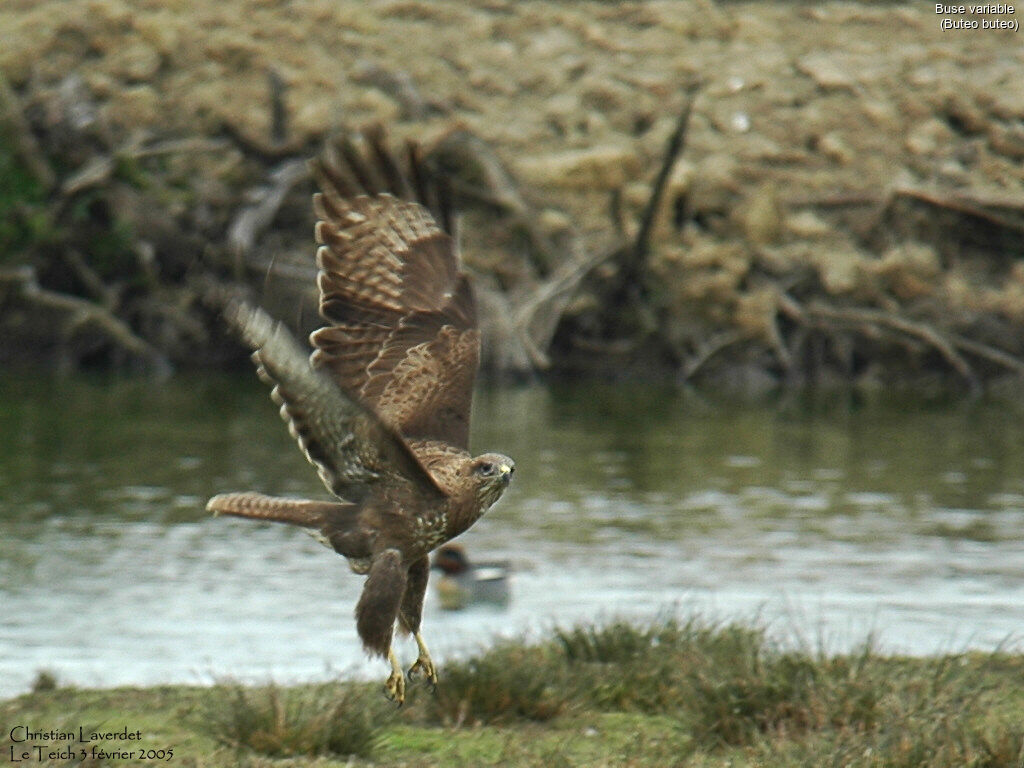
[(382, 405)]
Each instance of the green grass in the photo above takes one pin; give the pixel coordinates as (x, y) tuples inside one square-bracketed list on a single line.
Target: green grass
[(301, 721), (617, 694)]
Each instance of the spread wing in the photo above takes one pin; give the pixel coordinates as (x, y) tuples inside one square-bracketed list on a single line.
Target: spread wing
[(350, 446), (402, 335)]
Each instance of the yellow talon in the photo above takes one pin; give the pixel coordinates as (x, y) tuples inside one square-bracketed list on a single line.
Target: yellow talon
[(424, 663), (395, 686)]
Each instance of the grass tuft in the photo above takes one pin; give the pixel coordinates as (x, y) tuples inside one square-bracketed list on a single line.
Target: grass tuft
[(308, 720), (730, 687), (650, 667), (508, 682), (44, 681), (758, 695), (642, 695)]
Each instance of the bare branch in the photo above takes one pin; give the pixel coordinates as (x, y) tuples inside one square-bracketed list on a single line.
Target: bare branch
[(709, 349), (252, 220), (13, 123), (818, 312), (83, 313), (642, 244)]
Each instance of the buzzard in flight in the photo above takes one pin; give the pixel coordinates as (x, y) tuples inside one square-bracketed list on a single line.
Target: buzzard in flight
[(382, 405)]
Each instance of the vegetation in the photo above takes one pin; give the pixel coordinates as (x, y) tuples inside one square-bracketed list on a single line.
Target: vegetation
[(20, 196), (281, 722), (665, 693), (821, 220)]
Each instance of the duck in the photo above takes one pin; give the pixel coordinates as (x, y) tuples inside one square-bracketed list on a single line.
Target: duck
[(462, 583)]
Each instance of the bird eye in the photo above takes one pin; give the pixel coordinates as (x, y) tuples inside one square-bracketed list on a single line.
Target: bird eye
[(487, 468)]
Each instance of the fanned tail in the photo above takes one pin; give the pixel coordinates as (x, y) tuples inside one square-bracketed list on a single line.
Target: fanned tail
[(300, 512)]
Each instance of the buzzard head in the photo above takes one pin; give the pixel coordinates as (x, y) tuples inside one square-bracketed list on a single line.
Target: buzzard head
[(491, 473)]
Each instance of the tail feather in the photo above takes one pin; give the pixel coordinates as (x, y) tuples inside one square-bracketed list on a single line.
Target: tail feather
[(257, 506)]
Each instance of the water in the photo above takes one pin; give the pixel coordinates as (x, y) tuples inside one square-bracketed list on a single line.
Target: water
[(828, 523)]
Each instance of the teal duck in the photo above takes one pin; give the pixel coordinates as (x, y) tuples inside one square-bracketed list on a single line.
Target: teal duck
[(463, 583)]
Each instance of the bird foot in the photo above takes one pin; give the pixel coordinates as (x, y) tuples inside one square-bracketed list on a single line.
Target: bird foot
[(394, 687), (424, 665)]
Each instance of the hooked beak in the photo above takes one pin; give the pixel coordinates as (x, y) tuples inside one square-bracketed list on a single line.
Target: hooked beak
[(506, 471)]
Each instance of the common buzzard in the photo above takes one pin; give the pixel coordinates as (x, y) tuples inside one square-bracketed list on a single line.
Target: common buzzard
[(382, 405)]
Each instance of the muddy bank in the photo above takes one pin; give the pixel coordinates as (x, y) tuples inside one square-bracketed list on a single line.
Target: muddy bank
[(846, 206)]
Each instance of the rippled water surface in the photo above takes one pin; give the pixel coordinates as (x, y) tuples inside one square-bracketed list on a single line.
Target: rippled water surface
[(828, 523)]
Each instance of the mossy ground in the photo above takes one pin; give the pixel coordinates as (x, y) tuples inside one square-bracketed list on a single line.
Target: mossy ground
[(667, 693)]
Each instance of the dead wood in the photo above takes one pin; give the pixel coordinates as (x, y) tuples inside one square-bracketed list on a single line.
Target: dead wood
[(141, 296), (15, 127), (987, 352), (80, 313), (539, 311), (478, 177), (278, 108), (634, 259), (508, 353), (961, 225), (399, 86), (264, 202), (829, 318), (278, 144), (711, 347), (99, 170), (623, 297), (95, 173), (100, 291)]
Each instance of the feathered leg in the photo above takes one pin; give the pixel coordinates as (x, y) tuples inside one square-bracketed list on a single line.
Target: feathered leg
[(410, 615), (376, 611)]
